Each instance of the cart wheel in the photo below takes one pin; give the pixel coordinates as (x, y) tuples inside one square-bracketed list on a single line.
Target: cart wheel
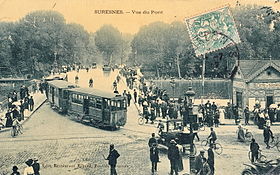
[(141, 121)]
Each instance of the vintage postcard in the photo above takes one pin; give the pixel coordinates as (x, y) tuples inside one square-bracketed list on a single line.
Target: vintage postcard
[(139, 87)]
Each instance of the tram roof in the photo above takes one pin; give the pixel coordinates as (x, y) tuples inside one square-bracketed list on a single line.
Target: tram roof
[(61, 84), (95, 92)]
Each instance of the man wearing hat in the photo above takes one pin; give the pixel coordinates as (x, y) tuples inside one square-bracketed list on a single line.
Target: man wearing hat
[(112, 157), (247, 114), (29, 169), (199, 162), (15, 171), (36, 166), (154, 157), (173, 156)]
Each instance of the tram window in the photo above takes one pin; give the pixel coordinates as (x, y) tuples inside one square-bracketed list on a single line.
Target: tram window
[(92, 102), (77, 99), (113, 105), (98, 103), (108, 103)]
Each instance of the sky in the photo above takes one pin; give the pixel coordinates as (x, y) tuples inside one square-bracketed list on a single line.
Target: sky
[(83, 11)]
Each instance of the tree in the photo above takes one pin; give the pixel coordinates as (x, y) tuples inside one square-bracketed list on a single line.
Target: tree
[(108, 40)]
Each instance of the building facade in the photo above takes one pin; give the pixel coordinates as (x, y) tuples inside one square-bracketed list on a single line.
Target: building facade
[(256, 81)]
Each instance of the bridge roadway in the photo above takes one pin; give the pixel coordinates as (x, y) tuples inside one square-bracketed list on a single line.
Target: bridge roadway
[(64, 146)]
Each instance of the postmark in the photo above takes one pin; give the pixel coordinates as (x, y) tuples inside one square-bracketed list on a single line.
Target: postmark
[(212, 31)]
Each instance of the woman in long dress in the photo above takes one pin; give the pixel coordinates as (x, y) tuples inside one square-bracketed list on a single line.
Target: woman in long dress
[(9, 120), (29, 169)]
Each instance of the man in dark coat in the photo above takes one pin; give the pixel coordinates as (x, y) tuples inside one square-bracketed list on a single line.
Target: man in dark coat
[(152, 140), (199, 161), (173, 156), (210, 159), (267, 134), (247, 114), (135, 96), (112, 157), (254, 148), (36, 166), (31, 103), (154, 157)]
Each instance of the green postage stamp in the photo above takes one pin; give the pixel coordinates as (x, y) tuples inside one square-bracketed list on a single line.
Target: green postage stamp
[(212, 31)]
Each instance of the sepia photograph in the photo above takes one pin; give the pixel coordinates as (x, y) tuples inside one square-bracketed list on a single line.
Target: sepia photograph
[(139, 87)]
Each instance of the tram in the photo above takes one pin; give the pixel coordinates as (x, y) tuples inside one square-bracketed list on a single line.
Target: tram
[(102, 109)]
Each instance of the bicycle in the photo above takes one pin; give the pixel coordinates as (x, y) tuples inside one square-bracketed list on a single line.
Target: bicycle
[(217, 146), (275, 143), (261, 157), (16, 130)]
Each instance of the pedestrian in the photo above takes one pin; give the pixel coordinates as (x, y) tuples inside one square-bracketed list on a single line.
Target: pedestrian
[(210, 159), (22, 108), (236, 115), (267, 134), (154, 157), (254, 148), (152, 140), (15, 113), (76, 79), (90, 82), (153, 115), (31, 103), (164, 109), (199, 162), (21, 92), (29, 169), (14, 98), (173, 156), (15, 171), (271, 114), (240, 134), (36, 166), (214, 107), (128, 98), (135, 95), (112, 157), (216, 118), (247, 114), (9, 120)]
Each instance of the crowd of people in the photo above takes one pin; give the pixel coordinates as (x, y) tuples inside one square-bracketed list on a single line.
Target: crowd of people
[(18, 103), (32, 168)]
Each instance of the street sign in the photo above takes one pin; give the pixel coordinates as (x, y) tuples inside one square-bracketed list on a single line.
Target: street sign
[(212, 31)]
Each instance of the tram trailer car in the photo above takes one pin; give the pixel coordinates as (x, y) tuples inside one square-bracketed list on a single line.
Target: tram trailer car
[(102, 109), (58, 94)]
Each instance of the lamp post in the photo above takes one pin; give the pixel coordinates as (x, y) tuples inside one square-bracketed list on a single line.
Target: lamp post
[(189, 97), (172, 83)]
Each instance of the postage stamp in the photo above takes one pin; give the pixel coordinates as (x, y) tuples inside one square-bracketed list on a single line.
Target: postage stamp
[(203, 30)]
